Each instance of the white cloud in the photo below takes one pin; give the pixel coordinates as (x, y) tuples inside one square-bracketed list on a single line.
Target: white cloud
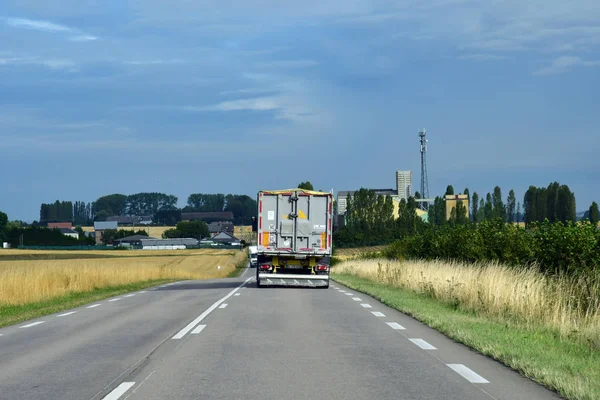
[(154, 62), (255, 104), (288, 64), (53, 63), (563, 64), (50, 27), (481, 57), (44, 26), (83, 38)]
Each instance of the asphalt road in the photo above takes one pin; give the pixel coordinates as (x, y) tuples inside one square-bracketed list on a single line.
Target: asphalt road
[(226, 339)]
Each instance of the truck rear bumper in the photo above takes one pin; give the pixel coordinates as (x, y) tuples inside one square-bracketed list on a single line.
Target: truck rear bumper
[(293, 280)]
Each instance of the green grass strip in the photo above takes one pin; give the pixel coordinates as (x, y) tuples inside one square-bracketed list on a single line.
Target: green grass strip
[(13, 314), (239, 268), (564, 365)]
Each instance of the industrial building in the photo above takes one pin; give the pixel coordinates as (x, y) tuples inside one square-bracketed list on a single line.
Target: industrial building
[(452, 200), (403, 191), (404, 184)]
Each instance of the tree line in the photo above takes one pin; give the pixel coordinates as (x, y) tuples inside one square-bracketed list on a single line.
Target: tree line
[(161, 207), (369, 218)]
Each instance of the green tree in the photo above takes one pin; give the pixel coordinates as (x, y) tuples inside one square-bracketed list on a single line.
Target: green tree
[(475, 207), (458, 214), (150, 203), (192, 229), (306, 186), (519, 216), (449, 190), (530, 205), (199, 202), (467, 192), (243, 208), (481, 211), (3, 225), (112, 204), (489, 207), (593, 213), (499, 210), (511, 206)]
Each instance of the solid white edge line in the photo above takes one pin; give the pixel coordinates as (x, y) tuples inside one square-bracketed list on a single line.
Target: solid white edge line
[(395, 325), (356, 299), (199, 319), (366, 305), (198, 329), (94, 306), (423, 344), (467, 373), (119, 391), (224, 305), (378, 314), (143, 291), (32, 324), (65, 314)]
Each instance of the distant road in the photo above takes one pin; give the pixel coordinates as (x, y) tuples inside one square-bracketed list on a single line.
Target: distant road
[(226, 339)]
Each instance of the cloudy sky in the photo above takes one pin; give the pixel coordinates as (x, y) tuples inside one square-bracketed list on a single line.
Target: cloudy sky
[(180, 96)]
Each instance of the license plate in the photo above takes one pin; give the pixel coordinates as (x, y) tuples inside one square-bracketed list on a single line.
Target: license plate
[(290, 266)]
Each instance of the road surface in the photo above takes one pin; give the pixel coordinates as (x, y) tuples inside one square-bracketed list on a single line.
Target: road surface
[(226, 339)]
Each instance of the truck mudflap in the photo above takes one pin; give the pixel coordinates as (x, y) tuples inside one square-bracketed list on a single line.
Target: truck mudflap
[(293, 280)]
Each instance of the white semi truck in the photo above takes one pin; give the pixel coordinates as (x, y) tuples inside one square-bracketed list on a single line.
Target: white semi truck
[(294, 229)]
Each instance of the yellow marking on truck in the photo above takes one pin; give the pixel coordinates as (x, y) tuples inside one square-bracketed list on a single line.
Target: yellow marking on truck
[(323, 240), (266, 239)]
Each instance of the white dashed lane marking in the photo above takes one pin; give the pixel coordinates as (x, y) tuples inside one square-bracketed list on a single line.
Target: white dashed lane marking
[(422, 344), (119, 391), (366, 305), (65, 314), (467, 373), (356, 299), (94, 306), (396, 326), (378, 314), (237, 294), (32, 324), (223, 305), (198, 329), (129, 295), (117, 299)]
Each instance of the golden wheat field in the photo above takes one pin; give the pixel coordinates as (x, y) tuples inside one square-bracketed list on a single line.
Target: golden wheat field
[(241, 232), (525, 295), (26, 281)]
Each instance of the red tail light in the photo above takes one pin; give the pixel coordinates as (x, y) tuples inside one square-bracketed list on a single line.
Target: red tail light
[(322, 267), (265, 266)]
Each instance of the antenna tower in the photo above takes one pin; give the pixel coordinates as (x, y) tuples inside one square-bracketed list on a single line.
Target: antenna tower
[(424, 181)]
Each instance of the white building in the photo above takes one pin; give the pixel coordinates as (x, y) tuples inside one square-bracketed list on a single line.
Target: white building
[(404, 184)]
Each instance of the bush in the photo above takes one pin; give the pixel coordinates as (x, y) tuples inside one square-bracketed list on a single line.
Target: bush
[(556, 248)]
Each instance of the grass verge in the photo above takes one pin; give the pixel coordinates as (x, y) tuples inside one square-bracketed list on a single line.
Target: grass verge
[(13, 314), (560, 363), (239, 269)]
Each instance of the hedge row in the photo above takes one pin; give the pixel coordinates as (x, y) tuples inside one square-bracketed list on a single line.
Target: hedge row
[(557, 248)]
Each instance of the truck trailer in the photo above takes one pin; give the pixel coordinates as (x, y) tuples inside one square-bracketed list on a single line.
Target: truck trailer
[(294, 231)]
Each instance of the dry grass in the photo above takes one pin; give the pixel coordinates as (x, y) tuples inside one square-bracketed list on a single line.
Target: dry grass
[(568, 306), (348, 254), (26, 281)]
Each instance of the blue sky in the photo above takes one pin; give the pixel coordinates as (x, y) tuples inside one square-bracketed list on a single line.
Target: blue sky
[(100, 97)]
